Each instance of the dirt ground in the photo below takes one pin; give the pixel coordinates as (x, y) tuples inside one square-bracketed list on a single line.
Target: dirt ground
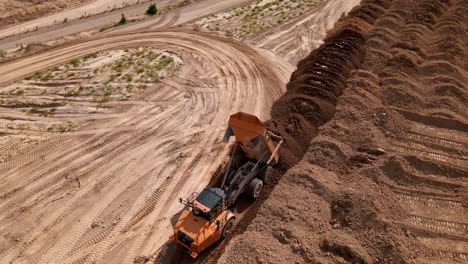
[(100, 135), (15, 11), (383, 180), (110, 181), (92, 164)]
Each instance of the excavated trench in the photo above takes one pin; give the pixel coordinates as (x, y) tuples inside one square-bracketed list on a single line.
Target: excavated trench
[(311, 97), (380, 175)]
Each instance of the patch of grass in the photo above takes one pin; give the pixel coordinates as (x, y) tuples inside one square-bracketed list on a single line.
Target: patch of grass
[(46, 77), (19, 91), (129, 88), (75, 63), (102, 100), (91, 56), (152, 56), (111, 79), (38, 75), (44, 112), (62, 129), (128, 77), (163, 63)]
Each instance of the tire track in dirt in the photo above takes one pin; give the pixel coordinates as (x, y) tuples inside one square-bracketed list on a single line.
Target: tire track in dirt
[(295, 40), (103, 184)]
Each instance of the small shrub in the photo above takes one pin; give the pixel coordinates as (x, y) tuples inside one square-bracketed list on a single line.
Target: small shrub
[(129, 77), (129, 87), (91, 56), (123, 20), (152, 10), (111, 79), (19, 92), (46, 77), (75, 63), (34, 109), (102, 100)]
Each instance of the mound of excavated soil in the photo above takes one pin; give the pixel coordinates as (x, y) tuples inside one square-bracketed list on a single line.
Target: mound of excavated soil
[(376, 131)]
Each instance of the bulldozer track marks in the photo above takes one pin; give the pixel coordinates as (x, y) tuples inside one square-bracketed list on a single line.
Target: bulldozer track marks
[(447, 147), (438, 212), (443, 133), (430, 202), (454, 255), (453, 160), (439, 225), (456, 146), (111, 181)]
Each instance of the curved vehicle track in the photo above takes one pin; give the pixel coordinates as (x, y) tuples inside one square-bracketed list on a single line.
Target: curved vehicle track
[(106, 191)]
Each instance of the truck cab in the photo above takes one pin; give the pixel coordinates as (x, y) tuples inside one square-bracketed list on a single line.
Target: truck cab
[(203, 221)]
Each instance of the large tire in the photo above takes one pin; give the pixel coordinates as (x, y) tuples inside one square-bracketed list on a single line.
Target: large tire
[(254, 188), (227, 228), (266, 174)]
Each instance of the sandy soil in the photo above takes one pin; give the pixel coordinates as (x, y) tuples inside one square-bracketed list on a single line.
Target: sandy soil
[(109, 183), (254, 17), (290, 29), (42, 9), (86, 28), (376, 128), (15, 11)]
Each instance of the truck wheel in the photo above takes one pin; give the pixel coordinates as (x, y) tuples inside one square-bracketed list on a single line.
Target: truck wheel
[(255, 188), (227, 228), (266, 174)]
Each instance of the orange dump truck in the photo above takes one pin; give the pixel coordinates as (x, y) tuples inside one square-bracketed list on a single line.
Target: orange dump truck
[(206, 217)]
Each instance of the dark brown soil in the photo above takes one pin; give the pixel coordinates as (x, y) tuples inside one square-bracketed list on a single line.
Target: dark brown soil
[(376, 151)]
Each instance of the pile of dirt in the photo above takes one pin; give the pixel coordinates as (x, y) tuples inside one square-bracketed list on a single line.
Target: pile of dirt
[(375, 125), (15, 11)]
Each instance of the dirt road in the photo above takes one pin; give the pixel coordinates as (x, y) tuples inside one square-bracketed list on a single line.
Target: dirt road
[(191, 12), (88, 190), (92, 8)]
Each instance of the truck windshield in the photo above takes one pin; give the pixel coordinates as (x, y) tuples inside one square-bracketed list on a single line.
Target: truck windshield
[(199, 212)]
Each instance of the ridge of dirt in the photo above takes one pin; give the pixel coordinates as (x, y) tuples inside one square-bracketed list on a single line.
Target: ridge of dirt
[(384, 181), (291, 114)]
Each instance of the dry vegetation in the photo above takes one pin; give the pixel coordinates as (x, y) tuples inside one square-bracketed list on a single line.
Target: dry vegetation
[(256, 17), (89, 82)]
